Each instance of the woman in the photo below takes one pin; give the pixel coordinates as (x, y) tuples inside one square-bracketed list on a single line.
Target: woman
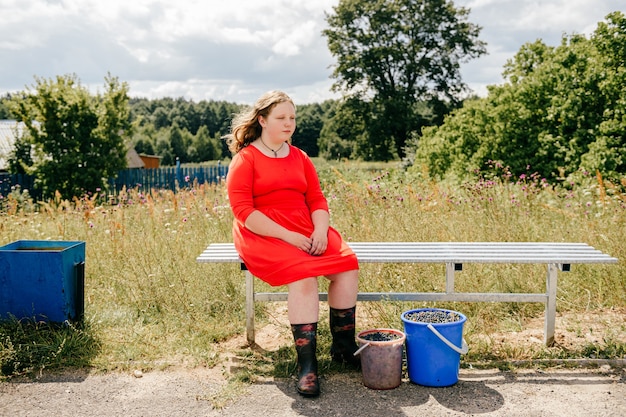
[(281, 231)]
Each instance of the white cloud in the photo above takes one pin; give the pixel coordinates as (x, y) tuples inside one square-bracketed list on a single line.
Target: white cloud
[(235, 50)]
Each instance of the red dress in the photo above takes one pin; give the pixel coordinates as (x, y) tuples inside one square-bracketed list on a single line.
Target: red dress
[(287, 190)]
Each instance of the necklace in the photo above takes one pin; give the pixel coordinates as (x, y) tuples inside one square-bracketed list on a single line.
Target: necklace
[(274, 151)]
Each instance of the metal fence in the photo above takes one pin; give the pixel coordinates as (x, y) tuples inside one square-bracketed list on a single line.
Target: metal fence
[(171, 178), (13, 182)]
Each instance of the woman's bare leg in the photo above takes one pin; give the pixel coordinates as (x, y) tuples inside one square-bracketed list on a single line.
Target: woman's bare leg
[(343, 289), (303, 301)]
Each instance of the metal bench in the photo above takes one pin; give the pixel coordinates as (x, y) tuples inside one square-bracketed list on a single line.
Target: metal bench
[(557, 256)]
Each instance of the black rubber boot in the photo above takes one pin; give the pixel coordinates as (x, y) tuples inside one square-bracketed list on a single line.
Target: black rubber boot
[(305, 337), (342, 328)]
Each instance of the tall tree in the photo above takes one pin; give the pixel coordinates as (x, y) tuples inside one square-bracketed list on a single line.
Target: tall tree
[(78, 138), (180, 139), (309, 122), (204, 147), (396, 54), (337, 137)]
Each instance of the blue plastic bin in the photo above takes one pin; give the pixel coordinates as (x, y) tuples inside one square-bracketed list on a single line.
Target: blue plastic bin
[(43, 280)]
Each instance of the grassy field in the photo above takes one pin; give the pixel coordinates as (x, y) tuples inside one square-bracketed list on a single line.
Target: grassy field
[(148, 302)]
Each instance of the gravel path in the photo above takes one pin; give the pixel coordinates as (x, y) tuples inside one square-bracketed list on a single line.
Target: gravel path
[(560, 392)]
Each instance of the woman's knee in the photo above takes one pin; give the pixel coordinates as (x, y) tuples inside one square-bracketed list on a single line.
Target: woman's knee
[(303, 286), (345, 276)]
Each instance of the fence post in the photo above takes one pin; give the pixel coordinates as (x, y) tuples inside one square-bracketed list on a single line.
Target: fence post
[(178, 174)]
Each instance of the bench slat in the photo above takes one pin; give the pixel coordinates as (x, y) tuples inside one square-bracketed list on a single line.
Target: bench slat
[(450, 252), (421, 296)]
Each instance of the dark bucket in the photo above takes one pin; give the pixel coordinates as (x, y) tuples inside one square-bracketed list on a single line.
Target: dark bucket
[(381, 357), (433, 350)]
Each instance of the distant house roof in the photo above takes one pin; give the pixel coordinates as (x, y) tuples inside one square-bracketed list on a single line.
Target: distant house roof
[(150, 161), (133, 159), (8, 131)]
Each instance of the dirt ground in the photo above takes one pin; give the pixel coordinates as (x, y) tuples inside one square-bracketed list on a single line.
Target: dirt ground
[(572, 393), (594, 388)]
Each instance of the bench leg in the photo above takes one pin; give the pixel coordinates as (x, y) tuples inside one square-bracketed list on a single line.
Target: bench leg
[(250, 308), (550, 312)]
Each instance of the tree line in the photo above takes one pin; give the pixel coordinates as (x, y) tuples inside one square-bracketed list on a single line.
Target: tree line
[(191, 132)]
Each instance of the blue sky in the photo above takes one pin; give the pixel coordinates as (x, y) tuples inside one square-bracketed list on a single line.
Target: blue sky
[(236, 50)]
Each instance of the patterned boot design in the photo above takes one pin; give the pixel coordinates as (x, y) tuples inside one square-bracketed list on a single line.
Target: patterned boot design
[(305, 337), (342, 328)]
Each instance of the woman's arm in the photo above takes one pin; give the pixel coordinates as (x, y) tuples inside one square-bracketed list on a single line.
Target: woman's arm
[(319, 237)]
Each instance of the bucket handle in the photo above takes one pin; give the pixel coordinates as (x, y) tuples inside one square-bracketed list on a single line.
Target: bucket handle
[(464, 348), (359, 350)]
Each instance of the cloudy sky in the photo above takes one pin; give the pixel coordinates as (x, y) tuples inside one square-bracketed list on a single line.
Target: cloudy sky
[(235, 50)]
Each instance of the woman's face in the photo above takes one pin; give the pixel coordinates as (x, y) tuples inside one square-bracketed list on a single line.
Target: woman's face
[(280, 123)]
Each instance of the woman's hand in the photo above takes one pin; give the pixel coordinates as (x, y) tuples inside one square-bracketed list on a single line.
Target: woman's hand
[(319, 237), (300, 241), (319, 242), (314, 245)]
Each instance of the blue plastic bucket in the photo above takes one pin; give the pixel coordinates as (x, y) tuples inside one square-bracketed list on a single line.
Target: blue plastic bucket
[(433, 350)]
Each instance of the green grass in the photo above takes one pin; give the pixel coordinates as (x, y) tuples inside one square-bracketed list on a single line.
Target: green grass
[(149, 304), (27, 346)]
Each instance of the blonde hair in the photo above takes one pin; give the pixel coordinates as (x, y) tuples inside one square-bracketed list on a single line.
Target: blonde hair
[(245, 127)]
